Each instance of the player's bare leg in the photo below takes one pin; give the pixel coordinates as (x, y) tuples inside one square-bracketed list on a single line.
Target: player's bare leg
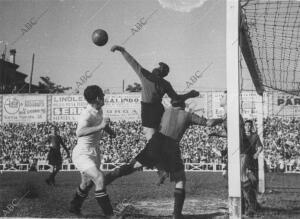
[(100, 192), (81, 194), (123, 170), (179, 194)]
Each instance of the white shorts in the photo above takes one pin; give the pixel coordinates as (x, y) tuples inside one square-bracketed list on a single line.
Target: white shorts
[(86, 157)]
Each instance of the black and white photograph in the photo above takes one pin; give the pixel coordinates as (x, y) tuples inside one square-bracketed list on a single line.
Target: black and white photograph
[(149, 109)]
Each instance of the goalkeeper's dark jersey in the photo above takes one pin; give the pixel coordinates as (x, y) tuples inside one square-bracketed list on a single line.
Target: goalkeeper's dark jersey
[(153, 89), (244, 142)]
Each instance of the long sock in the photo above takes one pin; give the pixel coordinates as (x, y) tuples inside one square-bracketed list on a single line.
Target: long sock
[(123, 170), (104, 202), (179, 196), (79, 197)]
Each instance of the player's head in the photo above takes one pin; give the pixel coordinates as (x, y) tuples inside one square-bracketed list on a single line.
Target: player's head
[(178, 103), (248, 125), (94, 95), (161, 71)]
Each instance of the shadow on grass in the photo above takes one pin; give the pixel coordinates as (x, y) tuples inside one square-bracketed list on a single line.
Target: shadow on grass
[(295, 210), (216, 215)]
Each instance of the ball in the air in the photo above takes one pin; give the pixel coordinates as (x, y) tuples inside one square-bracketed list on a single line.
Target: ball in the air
[(100, 37)]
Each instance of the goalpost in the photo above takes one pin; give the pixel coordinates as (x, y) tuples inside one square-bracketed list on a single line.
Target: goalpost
[(233, 132), (237, 37)]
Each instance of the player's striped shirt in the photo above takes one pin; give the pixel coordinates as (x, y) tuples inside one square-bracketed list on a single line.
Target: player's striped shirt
[(175, 121)]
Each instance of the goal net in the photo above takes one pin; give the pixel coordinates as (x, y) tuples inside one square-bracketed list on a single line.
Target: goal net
[(271, 31), (270, 44)]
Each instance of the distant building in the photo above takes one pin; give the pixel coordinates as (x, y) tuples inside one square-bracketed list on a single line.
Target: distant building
[(11, 80)]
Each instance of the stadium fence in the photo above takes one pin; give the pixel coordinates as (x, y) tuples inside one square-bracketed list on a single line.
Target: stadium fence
[(189, 167)]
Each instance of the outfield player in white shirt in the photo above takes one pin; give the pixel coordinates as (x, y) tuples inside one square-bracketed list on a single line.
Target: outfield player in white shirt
[(86, 154)]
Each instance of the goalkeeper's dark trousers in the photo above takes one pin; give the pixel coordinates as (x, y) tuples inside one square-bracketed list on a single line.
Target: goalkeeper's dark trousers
[(249, 201)]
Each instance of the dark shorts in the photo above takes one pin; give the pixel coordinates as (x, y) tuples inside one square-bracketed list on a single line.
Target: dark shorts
[(54, 157), (163, 152), (151, 114)]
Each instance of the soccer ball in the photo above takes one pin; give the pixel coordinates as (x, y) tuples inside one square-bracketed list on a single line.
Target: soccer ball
[(100, 37)]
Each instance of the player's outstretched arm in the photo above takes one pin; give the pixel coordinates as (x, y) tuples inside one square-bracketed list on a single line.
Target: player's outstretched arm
[(117, 48), (191, 94), (129, 58), (173, 95), (84, 129)]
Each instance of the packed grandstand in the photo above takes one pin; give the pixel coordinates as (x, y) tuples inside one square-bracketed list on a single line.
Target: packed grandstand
[(26, 120), (24, 143)]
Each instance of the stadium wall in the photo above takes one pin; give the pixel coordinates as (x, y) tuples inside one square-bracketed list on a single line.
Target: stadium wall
[(190, 167), (25, 108), (43, 166)]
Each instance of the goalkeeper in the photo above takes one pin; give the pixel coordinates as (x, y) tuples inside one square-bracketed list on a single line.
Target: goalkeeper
[(249, 200)]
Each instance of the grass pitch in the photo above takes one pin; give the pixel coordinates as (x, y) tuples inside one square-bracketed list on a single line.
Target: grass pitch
[(26, 194)]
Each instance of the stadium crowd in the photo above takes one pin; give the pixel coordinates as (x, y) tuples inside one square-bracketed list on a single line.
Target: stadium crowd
[(26, 143), (282, 143)]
